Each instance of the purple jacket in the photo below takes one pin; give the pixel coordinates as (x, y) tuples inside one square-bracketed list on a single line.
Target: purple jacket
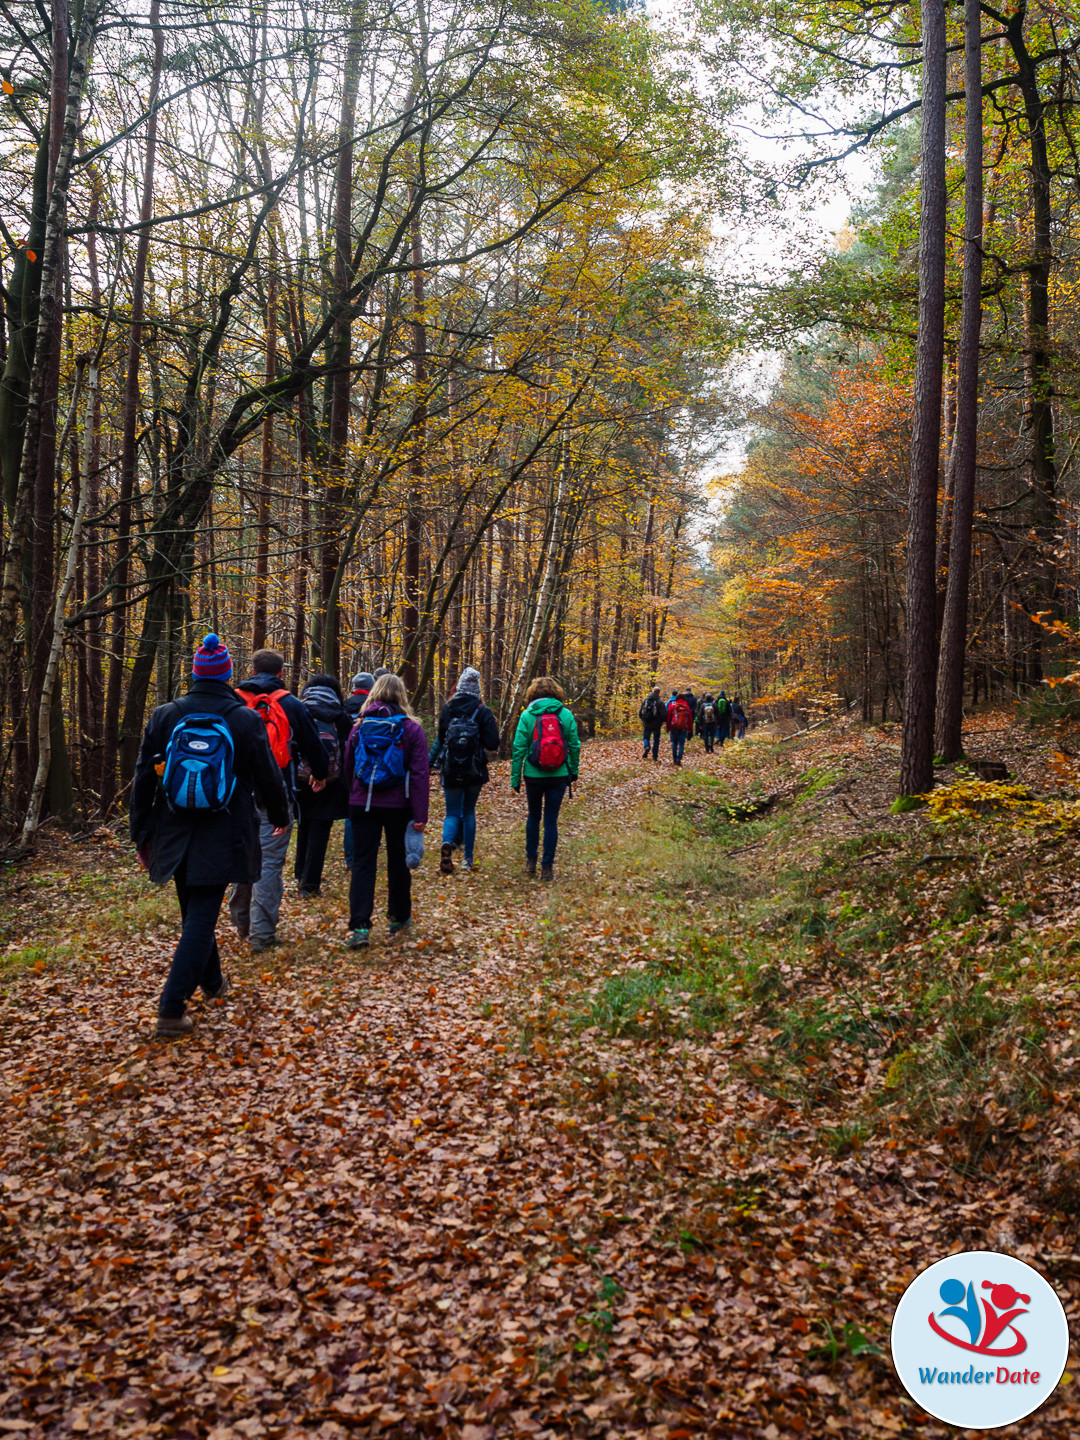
[(416, 759)]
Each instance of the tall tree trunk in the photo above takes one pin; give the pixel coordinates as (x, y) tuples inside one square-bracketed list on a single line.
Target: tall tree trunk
[(47, 320), (410, 620), (1039, 414), (46, 708), (336, 456), (121, 574), (266, 461), (950, 691), (917, 747)]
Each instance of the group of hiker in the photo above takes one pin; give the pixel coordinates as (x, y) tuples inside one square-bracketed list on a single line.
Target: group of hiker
[(225, 773), (714, 717)]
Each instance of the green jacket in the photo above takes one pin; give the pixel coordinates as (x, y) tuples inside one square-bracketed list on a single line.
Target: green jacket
[(523, 737)]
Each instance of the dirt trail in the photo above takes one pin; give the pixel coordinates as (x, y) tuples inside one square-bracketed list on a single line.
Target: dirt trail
[(381, 1195)]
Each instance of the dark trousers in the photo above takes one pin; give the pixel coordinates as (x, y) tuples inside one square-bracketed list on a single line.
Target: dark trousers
[(708, 734), (725, 731), (678, 745), (312, 838), (650, 735), (545, 798), (196, 961), (368, 827)]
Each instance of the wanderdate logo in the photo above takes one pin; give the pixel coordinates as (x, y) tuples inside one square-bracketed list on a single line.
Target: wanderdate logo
[(958, 1333)]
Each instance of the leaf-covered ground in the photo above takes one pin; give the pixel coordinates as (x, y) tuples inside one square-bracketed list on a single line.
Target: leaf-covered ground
[(651, 1152)]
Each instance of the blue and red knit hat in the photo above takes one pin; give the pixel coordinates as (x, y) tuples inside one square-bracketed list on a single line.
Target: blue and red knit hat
[(212, 660)]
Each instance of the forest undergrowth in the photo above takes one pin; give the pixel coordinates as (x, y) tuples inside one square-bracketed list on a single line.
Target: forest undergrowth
[(650, 1152)]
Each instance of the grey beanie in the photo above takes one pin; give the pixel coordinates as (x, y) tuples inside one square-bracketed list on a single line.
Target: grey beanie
[(363, 681), (469, 684), (380, 671)]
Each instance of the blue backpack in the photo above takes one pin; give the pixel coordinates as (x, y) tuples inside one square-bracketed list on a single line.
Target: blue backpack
[(198, 770), (380, 753)]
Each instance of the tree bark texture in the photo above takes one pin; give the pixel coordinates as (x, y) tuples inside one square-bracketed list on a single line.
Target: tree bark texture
[(917, 747)]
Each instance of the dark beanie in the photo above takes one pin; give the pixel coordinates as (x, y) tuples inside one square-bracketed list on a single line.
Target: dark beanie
[(212, 660)]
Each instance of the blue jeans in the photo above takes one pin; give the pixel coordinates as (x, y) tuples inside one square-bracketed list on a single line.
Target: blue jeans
[(678, 745), (459, 827), (544, 797), (650, 735), (196, 961)]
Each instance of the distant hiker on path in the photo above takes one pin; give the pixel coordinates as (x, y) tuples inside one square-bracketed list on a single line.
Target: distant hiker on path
[(546, 755), (360, 684), (652, 714), (691, 700), (467, 729), (361, 689), (386, 764), (293, 735), (319, 806), (680, 722), (708, 721), (738, 719), (723, 706), (204, 763)]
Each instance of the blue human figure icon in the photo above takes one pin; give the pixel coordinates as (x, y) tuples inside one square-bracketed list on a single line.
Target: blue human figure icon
[(953, 1293)]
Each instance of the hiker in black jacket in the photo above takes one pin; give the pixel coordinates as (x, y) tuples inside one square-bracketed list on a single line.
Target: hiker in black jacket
[(708, 721), (692, 700), (461, 757), (255, 908), (652, 713), (203, 850), (361, 689), (318, 806)]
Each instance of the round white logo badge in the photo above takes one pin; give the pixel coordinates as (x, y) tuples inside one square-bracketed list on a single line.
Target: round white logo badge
[(980, 1340)]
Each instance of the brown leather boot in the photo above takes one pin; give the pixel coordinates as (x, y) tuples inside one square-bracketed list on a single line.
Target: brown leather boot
[(446, 863), (530, 866), (547, 872)]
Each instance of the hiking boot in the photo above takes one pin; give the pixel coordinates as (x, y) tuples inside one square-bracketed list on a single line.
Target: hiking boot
[(221, 991), (359, 939), (472, 865), (547, 872), (530, 867), (397, 926), (446, 860), (258, 946), (172, 1028)]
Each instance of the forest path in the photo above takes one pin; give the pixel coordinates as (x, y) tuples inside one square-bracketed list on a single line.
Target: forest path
[(429, 1189)]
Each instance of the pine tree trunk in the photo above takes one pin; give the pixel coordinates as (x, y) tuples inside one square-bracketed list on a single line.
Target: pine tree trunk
[(917, 748), (950, 691)]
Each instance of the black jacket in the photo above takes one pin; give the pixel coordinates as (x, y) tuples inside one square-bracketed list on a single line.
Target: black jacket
[(652, 710), (221, 848), (305, 738), (333, 802), (355, 702), (485, 723)]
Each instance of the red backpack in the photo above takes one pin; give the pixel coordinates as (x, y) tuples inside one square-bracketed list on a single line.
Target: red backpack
[(548, 750), (267, 705), (684, 720)]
